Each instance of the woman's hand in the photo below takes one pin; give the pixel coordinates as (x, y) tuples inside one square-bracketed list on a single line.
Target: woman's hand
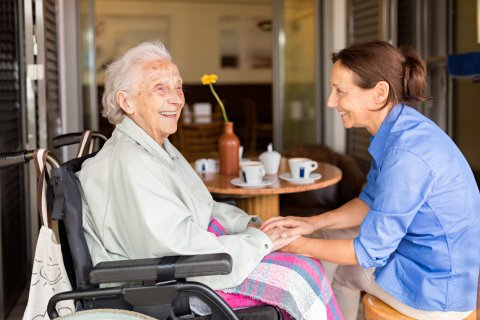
[(278, 239), (298, 246), (290, 226)]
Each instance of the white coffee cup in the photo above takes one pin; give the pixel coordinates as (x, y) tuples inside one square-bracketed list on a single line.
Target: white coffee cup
[(300, 168), (252, 172), (206, 165)]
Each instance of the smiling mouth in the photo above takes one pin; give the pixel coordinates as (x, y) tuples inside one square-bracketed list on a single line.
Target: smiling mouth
[(168, 113)]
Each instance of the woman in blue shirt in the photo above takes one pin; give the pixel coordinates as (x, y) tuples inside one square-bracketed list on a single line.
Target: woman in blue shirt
[(410, 238)]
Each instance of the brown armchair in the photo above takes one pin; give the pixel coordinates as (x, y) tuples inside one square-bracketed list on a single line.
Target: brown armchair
[(318, 201)]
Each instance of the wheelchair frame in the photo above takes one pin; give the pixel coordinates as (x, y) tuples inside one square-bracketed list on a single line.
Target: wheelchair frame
[(164, 291)]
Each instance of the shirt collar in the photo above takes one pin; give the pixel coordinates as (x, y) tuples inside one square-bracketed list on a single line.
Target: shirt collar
[(378, 142), (168, 153)]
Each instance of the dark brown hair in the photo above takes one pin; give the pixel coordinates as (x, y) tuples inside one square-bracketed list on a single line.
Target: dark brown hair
[(403, 69)]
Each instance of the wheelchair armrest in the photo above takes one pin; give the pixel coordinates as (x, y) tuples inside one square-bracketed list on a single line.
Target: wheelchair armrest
[(161, 269)]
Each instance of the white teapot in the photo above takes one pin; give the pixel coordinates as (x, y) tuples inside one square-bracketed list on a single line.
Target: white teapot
[(271, 160)]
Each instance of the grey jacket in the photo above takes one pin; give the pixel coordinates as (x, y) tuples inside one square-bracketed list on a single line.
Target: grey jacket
[(143, 200)]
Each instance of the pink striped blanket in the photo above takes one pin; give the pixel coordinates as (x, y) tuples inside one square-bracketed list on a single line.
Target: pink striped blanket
[(297, 285)]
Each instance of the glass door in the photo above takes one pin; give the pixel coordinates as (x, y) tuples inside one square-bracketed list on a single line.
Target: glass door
[(88, 66), (466, 93), (297, 111)]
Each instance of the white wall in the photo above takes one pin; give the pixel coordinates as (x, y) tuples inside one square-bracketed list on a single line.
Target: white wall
[(186, 27)]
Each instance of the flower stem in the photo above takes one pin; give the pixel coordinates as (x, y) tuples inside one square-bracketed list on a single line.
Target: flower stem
[(219, 102)]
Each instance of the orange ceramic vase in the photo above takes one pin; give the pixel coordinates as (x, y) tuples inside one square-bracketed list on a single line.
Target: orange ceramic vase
[(228, 145)]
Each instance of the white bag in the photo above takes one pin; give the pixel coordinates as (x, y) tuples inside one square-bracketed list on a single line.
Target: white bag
[(49, 276)]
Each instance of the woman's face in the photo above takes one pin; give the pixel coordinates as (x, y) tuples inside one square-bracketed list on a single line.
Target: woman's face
[(157, 99), (355, 105)]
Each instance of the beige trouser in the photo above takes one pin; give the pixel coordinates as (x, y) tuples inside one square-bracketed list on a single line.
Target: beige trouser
[(348, 281)]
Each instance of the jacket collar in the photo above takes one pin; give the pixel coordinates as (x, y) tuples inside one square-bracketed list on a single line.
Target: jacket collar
[(166, 153)]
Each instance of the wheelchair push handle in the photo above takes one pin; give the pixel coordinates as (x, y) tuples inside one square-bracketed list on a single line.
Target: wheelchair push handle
[(73, 137), (8, 159), (66, 139)]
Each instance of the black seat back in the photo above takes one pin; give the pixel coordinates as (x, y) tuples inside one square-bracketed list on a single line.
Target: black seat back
[(67, 208), (66, 203)]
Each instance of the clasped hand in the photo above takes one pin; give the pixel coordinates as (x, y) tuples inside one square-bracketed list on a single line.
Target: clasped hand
[(284, 230), (278, 238)]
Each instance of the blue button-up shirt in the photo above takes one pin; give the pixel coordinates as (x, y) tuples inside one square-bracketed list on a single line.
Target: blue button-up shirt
[(422, 230)]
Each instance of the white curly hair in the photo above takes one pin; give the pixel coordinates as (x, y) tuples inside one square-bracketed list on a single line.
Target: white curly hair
[(122, 74)]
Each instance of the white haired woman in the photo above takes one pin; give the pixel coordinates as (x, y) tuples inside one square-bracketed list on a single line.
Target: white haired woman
[(144, 200)]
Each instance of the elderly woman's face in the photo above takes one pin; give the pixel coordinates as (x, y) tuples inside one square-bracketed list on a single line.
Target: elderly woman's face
[(158, 99), (355, 104)]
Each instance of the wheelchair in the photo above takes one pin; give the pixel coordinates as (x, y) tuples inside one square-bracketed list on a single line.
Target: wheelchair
[(87, 141), (154, 287)]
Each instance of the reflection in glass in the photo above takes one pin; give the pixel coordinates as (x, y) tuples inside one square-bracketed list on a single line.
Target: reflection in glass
[(298, 85), (245, 42), (229, 42)]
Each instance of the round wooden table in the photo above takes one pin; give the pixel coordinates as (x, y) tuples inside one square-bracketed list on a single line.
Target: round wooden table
[(265, 201)]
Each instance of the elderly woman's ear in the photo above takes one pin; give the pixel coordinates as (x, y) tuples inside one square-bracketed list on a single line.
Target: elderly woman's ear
[(124, 103), (381, 90)]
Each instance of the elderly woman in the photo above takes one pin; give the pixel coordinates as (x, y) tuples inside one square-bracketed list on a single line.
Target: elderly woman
[(417, 247), (141, 197)]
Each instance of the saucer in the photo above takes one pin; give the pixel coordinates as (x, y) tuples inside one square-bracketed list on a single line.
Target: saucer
[(240, 183), (287, 176)]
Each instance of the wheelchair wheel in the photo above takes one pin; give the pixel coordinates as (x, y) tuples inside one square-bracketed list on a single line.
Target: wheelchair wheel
[(106, 314)]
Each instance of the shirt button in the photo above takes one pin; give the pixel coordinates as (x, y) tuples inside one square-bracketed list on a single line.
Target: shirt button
[(266, 246)]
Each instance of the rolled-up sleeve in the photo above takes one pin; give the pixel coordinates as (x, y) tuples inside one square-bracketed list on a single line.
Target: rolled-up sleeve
[(397, 189)]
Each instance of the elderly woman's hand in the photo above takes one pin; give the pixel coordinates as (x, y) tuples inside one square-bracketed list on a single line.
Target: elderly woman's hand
[(291, 226), (278, 239)]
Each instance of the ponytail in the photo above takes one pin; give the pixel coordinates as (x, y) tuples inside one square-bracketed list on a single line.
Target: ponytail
[(414, 82)]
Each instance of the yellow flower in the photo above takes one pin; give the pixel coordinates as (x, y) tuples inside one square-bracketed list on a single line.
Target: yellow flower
[(209, 79)]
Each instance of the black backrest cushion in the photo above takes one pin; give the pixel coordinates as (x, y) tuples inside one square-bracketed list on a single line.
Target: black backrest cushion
[(67, 206)]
